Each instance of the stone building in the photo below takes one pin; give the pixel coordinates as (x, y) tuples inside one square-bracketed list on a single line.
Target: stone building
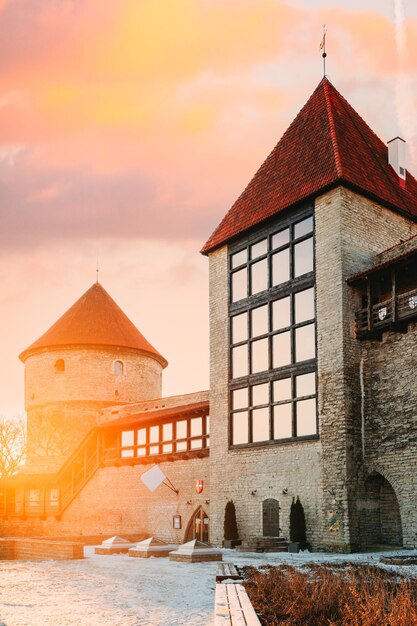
[(313, 311)]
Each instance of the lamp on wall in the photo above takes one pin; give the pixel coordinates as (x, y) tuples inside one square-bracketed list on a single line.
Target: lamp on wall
[(253, 493), (285, 491)]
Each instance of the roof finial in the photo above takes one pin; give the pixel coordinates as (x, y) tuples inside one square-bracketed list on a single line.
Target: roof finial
[(323, 47), (97, 270)]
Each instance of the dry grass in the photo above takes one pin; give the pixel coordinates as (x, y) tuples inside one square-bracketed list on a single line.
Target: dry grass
[(331, 596)]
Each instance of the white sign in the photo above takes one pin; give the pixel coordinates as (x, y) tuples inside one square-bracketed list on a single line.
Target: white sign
[(153, 477)]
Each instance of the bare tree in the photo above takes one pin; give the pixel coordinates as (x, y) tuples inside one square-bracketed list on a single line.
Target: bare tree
[(12, 445)]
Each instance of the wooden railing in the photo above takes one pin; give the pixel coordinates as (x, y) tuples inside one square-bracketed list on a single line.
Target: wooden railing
[(56, 493), (386, 315)]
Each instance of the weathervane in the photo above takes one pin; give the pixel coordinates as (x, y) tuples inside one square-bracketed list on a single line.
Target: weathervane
[(323, 47)]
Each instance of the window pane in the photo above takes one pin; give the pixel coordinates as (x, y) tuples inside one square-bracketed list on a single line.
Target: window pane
[(259, 356), (141, 436), (239, 285), (128, 453), (196, 426), (240, 361), (306, 417), (181, 429), (181, 446), (154, 450), (280, 267), (281, 238), (306, 385), (127, 438), (304, 305), (303, 228), (240, 398), (239, 258), (259, 276), (282, 389), (240, 428), (118, 368), (282, 349), (305, 343), (141, 452), (154, 434), (260, 424), (260, 321), (196, 444), (167, 447), (260, 394), (258, 249), (282, 421), (281, 313), (303, 257), (167, 432), (239, 328)]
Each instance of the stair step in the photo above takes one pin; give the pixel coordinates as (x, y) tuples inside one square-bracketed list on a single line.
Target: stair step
[(264, 544)]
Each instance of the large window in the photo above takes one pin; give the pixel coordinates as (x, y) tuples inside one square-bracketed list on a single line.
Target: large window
[(181, 435), (272, 335)]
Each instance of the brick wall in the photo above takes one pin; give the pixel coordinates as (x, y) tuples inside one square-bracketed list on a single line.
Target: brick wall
[(40, 550)]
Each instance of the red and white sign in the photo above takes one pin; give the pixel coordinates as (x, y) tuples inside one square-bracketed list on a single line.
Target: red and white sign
[(199, 486)]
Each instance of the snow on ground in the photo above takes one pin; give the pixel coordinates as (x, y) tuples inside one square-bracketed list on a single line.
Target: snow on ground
[(121, 591)]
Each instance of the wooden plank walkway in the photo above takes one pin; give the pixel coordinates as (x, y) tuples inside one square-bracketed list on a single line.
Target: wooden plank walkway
[(233, 607), (227, 571)]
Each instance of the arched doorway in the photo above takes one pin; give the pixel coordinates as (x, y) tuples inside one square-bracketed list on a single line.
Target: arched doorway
[(379, 513), (198, 526), (270, 518)]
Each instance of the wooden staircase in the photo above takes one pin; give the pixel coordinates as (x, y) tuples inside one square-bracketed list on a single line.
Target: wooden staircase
[(55, 492), (78, 470)]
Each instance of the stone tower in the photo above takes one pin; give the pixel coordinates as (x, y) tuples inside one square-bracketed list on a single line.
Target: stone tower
[(91, 358)]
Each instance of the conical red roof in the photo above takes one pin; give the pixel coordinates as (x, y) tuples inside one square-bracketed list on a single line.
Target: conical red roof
[(94, 320), (328, 144)]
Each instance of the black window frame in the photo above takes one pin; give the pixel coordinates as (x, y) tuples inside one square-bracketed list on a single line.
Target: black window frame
[(271, 294)]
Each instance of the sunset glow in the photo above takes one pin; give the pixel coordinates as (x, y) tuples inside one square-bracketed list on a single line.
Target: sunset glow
[(129, 128)]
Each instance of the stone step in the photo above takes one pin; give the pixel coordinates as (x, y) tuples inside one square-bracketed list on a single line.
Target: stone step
[(267, 540), (252, 548), (264, 544)]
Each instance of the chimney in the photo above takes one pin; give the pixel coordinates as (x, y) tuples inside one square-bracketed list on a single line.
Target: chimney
[(397, 156)]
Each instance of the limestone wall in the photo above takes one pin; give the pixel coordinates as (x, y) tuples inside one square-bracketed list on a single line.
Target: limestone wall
[(249, 476), (62, 405), (350, 232), (391, 421), (115, 501)]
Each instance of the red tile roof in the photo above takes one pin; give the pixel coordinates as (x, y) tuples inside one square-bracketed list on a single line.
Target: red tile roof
[(94, 320), (328, 144)]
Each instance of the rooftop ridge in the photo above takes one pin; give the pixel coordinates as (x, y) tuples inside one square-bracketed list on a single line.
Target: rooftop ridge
[(335, 145)]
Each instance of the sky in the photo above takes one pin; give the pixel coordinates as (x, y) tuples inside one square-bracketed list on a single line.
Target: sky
[(129, 127)]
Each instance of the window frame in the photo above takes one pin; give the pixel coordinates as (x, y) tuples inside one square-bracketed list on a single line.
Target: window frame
[(187, 440), (274, 292)]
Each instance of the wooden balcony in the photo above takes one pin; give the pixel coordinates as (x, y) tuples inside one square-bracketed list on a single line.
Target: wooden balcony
[(393, 314)]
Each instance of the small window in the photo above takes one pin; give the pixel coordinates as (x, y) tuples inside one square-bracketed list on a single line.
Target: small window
[(118, 368), (34, 497), (60, 365)]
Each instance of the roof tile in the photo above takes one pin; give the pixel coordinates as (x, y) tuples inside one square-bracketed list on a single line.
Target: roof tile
[(327, 144), (94, 320)]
